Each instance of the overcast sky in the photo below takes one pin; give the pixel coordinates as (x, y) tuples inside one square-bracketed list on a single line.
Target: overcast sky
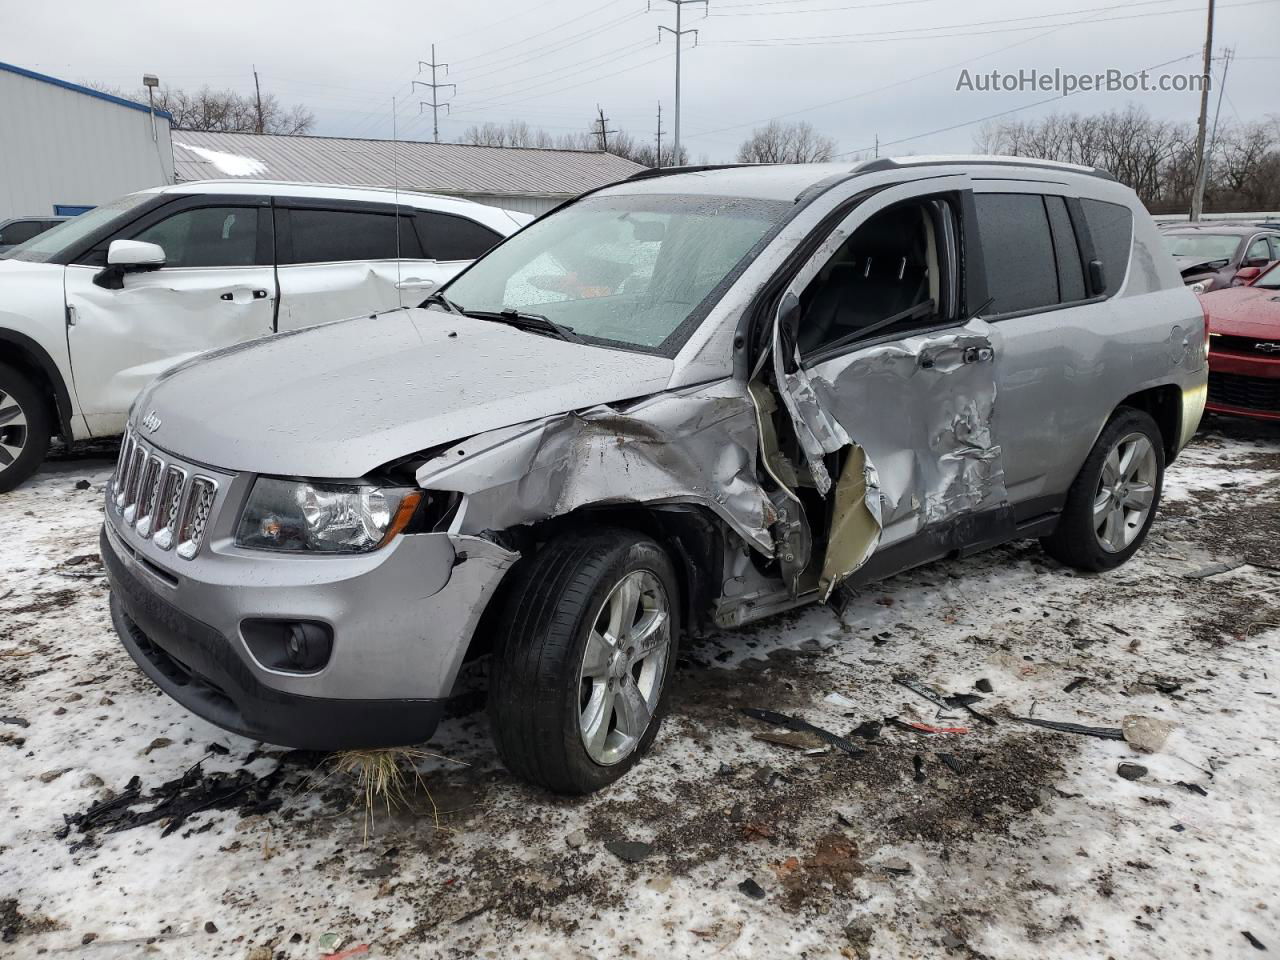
[(856, 69)]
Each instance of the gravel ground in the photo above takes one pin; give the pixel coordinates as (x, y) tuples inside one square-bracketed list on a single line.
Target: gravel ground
[(1008, 840)]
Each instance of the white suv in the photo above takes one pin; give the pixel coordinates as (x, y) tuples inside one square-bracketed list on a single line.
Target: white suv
[(94, 309)]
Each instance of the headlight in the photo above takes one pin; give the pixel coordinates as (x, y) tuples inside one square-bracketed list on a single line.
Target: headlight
[(298, 516), (1199, 286)]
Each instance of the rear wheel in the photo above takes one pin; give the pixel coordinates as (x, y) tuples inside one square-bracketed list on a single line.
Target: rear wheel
[(25, 427), (586, 651), (1113, 501)]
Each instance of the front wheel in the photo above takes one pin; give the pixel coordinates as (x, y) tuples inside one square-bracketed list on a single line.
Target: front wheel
[(588, 642), (1113, 500), (25, 427)]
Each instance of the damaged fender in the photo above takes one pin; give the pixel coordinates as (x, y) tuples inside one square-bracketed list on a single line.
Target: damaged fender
[(696, 445)]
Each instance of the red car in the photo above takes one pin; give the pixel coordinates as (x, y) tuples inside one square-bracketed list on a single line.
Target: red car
[(1244, 345)]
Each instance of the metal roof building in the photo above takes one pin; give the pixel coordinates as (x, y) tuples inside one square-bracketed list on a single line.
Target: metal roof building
[(530, 180), (64, 147)]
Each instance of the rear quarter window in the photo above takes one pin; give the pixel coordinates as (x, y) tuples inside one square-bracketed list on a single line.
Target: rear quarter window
[(1111, 229), (1017, 248)]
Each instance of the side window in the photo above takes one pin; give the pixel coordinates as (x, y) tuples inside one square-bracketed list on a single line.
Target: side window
[(328, 236), (447, 237), (892, 275), (1111, 229), (207, 237), (22, 231), (1065, 250), (1257, 254), (1017, 248)]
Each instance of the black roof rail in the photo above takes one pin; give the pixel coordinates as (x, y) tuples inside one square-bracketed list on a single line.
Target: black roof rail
[(691, 168)]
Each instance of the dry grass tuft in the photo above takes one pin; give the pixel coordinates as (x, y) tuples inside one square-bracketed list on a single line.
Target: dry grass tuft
[(385, 776)]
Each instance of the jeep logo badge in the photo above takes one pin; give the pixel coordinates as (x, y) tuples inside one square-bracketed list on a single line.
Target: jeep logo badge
[(151, 422)]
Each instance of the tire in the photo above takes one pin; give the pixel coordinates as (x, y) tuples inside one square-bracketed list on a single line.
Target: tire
[(1089, 536), (545, 698), (26, 424)]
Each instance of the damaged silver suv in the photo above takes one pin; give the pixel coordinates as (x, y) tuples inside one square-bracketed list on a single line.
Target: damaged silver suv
[(698, 397)]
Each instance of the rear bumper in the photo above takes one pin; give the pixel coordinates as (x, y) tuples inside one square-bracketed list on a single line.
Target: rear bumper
[(1244, 386)]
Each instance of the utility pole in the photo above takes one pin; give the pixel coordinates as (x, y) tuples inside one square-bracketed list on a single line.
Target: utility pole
[(877, 145), (602, 132), (257, 91), (1197, 192), (678, 33), (659, 153), (435, 103), (1203, 181)]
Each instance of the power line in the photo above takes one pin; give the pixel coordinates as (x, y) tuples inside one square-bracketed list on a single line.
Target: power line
[(594, 79)]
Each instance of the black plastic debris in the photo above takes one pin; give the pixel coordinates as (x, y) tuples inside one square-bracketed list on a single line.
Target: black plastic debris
[(752, 889), (803, 726), (219, 749), (632, 851), (920, 689), (726, 770), (1253, 941), (177, 800), (1192, 788), (867, 730), (917, 762), (954, 764), (966, 701), (1103, 733), (83, 484), (983, 685), (16, 721), (1131, 771), (1075, 684)]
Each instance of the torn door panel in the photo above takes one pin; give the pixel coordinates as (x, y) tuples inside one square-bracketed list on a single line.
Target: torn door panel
[(855, 521), (696, 445)]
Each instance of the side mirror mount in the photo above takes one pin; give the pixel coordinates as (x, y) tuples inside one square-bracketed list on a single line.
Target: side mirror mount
[(788, 330), (128, 256), (1245, 275), (1097, 278)]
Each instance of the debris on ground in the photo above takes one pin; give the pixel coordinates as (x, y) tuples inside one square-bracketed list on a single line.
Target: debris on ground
[(1253, 941), (632, 851), (1214, 569), (1131, 771), (575, 839), (1103, 733), (752, 889), (1147, 734), (803, 726)]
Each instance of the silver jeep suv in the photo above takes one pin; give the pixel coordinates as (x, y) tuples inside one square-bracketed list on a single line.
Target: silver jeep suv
[(698, 397)]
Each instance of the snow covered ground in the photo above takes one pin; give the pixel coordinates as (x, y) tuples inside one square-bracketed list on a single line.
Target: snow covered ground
[(1024, 843)]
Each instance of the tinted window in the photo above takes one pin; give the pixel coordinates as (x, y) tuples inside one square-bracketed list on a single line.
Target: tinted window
[(207, 237), (1017, 249), (63, 238), (1257, 254), (1111, 229), (1066, 251), (454, 238), (22, 231), (325, 236)]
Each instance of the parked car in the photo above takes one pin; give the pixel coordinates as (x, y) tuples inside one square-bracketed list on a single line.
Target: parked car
[(93, 309), (697, 397), (1244, 346), (21, 229), (1208, 255)]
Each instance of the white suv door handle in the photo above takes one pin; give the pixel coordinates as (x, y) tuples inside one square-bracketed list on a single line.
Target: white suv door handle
[(230, 296), (415, 283)]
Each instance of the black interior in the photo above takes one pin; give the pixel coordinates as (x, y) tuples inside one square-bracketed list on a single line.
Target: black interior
[(880, 271)]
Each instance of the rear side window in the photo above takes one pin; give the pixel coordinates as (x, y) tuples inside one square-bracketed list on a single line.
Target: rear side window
[(1017, 248), (22, 231), (1257, 253), (207, 237), (1066, 251), (1111, 229), (328, 236), (454, 238)]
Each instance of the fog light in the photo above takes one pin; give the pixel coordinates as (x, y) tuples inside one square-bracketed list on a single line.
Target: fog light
[(292, 646)]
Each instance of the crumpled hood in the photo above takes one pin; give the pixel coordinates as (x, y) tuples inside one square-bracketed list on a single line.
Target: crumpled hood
[(1197, 265), (1244, 312), (343, 398)]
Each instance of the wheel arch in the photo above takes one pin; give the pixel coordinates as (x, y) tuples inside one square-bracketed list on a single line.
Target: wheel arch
[(27, 355), (1164, 405)]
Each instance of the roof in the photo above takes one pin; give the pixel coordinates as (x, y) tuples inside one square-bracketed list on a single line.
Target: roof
[(788, 181), (435, 167), (1222, 227), (87, 91)]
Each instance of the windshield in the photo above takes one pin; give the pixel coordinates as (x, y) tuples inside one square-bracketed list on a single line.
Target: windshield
[(1271, 279), (629, 270), (1202, 246), (46, 246)]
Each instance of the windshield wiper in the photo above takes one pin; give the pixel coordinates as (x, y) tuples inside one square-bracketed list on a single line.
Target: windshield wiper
[(444, 301), (533, 322)]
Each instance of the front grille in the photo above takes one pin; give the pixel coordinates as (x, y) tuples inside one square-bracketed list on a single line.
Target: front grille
[(1252, 345), (1250, 393), (161, 500)]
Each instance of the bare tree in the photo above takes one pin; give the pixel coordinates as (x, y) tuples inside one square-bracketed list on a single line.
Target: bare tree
[(786, 143), (225, 111), (518, 133)]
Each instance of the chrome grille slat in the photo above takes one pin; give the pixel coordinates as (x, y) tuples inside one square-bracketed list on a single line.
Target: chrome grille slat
[(168, 503), (136, 465), (195, 516), (122, 471), (148, 492), (162, 501)]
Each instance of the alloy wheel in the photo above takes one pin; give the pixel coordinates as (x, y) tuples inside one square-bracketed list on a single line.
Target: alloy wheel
[(624, 664), (13, 430), (1126, 492)]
